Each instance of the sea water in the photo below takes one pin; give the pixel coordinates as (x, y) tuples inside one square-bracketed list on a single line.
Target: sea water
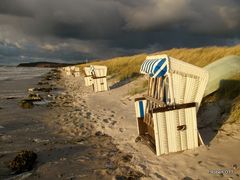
[(15, 81)]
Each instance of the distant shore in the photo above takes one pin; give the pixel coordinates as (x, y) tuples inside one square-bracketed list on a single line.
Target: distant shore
[(44, 64)]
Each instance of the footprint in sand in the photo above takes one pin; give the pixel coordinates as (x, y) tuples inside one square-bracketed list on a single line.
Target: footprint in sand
[(121, 130)]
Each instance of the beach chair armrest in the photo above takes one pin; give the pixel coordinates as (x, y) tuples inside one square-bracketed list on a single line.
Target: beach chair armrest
[(159, 102)]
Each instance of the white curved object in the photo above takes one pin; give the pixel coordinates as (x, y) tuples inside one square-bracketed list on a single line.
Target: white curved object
[(221, 69)]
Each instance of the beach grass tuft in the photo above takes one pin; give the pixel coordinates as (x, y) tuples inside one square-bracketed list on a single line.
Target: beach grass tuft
[(139, 88)]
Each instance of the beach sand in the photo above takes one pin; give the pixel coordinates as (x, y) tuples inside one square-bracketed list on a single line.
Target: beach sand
[(87, 135), (113, 113)]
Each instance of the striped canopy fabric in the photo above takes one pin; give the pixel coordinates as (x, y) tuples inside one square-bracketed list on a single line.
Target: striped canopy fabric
[(155, 67), (91, 69)]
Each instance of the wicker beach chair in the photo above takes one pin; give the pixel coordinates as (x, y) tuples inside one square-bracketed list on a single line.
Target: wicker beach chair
[(68, 71), (72, 68), (76, 71), (88, 76), (173, 85), (99, 75)]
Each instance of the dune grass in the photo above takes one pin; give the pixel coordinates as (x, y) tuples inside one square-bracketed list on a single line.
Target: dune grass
[(142, 87), (121, 68), (202, 56), (234, 116), (231, 91), (229, 96)]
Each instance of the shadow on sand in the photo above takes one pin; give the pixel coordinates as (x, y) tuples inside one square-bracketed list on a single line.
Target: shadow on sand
[(120, 83)]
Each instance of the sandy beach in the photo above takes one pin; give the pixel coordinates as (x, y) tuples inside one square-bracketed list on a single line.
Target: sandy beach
[(113, 113), (86, 135)]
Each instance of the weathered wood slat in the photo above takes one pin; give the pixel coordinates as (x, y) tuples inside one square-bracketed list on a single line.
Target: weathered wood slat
[(159, 102)]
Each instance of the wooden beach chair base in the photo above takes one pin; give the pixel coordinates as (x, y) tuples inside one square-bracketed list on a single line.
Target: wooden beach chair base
[(88, 81), (100, 84), (174, 128), (76, 74)]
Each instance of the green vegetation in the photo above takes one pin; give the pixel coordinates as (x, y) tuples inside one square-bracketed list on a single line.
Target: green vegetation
[(202, 56), (121, 68), (228, 99), (139, 88), (231, 91), (234, 116)]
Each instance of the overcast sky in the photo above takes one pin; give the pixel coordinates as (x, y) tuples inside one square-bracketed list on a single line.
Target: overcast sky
[(74, 30)]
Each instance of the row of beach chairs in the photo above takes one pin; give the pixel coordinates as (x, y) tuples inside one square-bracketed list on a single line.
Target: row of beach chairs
[(71, 71), (167, 115), (95, 76)]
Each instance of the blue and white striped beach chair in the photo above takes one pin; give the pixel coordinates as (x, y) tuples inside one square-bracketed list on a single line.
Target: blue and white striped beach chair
[(172, 84)]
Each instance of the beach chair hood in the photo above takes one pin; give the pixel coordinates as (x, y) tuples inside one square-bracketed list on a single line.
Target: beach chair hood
[(98, 71), (184, 82), (87, 71), (155, 67)]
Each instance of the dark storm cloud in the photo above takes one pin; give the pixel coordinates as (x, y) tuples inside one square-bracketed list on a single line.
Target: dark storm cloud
[(103, 28), (14, 7)]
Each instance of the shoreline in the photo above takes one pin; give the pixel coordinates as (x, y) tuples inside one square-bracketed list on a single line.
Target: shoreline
[(68, 152)]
